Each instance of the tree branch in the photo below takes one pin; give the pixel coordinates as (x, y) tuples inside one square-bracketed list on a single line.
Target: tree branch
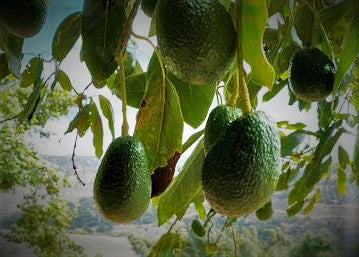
[(73, 162)]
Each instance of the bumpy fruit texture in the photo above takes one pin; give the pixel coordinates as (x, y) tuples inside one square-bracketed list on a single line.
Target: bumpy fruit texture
[(311, 74), (218, 121), (148, 7), (122, 187), (23, 18), (240, 172), (196, 38)]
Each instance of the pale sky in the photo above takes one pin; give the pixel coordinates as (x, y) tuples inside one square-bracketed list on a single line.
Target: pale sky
[(278, 108)]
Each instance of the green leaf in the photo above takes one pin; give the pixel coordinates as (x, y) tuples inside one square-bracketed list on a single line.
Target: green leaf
[(355, 163), (291, 142), (195, 100), (312, 202), (159, 121), (183, 189), (341, 181), (64, 81), (314, 171), (278, 86), (343, 157), (295, 208), (32, 72), (81, 121), (12, 46), (66, 35), (198, 228), (265, 212), (32, 102), (254, 20), (4, 69), (303, 23), (284, 179), (167, 246), (96, 128), (102, 26), (312, 174), (350, 50), (198, 204), (286, 125), (135, 89), (107, 111)]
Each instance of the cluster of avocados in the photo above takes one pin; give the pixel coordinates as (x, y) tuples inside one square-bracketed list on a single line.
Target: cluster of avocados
[(23, 18), (242, 164)]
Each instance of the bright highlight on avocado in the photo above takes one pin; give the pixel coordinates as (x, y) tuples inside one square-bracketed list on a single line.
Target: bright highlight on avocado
[(240, 172), (23, 18), (311, 74), (196, 38), (122, 187)]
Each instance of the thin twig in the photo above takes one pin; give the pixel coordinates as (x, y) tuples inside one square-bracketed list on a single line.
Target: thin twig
[(73, 162), (221, 232), (143, 38), (126, 32), (11, 118), (173, 224), (88, 85), (234, 241)]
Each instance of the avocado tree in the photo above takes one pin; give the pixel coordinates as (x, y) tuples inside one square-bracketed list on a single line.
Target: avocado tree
[(235, 54)]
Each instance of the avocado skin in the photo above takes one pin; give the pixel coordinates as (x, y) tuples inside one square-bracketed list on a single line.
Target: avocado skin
[(122, 186), (218, 121), (196, 38), (241, 171), (311, 74), (23, 18), (148, 7)]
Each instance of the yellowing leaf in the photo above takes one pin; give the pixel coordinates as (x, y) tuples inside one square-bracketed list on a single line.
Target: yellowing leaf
[(32, 72), (159, 122), (254, 20), (96, 128), (81, 121), (107, 111), (341, 181), (312, 202), (64, 81), (66, 35)]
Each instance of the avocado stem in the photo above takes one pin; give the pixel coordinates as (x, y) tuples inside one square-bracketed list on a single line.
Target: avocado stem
[(122, 85), (240, 85)]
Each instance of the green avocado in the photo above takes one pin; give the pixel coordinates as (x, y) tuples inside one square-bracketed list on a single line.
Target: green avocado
[(311, 74), (148, 7), (217, 122), (23, 18), (197, 39), (240, 172), (122, 187)]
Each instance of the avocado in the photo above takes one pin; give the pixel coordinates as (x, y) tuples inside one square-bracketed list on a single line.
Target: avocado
[(148, 7), (311, 74), (197, 39), (23, 18), (218, 120), (241, 170), (122, 186)]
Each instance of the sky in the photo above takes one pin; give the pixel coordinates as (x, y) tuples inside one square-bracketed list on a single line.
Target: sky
[(60, 144)]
